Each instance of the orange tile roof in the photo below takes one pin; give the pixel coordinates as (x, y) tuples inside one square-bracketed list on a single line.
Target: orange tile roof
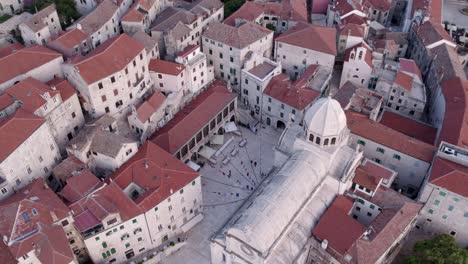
[(454, 127), (165, 67), (338, 228), (12, 48), (361, 125), (193, 117), (408, 65), (450, 176), (71, 38), (5, 101), (404, 80), (150, 106), (112, 56), (366, 179), (15, 130), (80, 185), (30, 92), (294, 94), (311, 37), (17, 218), (351, 29), (133, 15), (156, 171), (430, 32), (22, 61), (409, 127), (64, 87)]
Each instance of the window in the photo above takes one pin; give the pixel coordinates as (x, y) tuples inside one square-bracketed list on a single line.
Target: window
[(134, 221), (193, 183), (369, 214), (100, 85), (104, 244), (358, 208), (220, 55), (140, 239), (112, 79), (269, 99), (381, 150), (396, 156), (122, 227), (112, 251), (116, 92), (441, 193), (360, 142), (436, 202), (372, 206), (73, 115), (450, 208), (97, 238), (430, 211), (127, 245), (29, 170), (103, 98), (4, 190)]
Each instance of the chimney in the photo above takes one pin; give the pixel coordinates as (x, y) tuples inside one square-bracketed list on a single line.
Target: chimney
[(53, 88), (78, 26)]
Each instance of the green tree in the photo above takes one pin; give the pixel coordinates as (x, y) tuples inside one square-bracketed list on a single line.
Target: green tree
[(65, 8), (230, 6), (271, 27), (441, 249)]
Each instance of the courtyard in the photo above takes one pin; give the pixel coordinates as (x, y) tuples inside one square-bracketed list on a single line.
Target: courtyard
[(225, 185)]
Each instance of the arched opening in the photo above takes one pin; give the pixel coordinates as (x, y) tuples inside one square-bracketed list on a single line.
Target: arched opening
[(325, 142), (220, 131), (311, 138), (194, 157), (280, 124), (233, 119), (317, 140), (268, 121), (333, 141)]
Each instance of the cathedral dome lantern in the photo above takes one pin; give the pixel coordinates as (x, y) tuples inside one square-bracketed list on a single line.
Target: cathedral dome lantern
[(325, 122)]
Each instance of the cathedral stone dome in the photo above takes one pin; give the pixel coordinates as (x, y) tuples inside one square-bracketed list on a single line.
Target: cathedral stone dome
[(325, 119)]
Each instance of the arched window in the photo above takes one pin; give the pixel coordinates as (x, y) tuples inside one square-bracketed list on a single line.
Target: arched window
[(360, 54), (352, 56), (311, 138), (317, 140), (325, 142), (333, 141)]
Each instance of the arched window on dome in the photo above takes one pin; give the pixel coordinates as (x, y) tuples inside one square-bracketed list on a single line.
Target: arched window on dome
[(317, 140), (311, 138), (333, 141), (325, 142)]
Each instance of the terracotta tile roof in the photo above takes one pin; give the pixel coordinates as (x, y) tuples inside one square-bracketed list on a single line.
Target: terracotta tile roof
[(294, 94), (366, 179), (354, 19), (450, 176), (409, 127), (430, 32), (110, 199), (134, 15), (338, 228), (447, 61), (156, 171), (387, 227), (50, 245), (69, 166), (15, 129), (22, 61), (367, 57), (361, 125), (112, 56), (165, 67), (79, 185), (311, 37), (6, 256), (352, 29), (31, 93), (98, 17), (39, 20), (237, 37), (21, 213), (249, 11), (193, 117), (12, 48), (150, 106), (71, 38), (187, 50), (62, 86), (454, 127), (410, 66), (377, 170), (5, 101), (404, 80), (343, 7), (345, 93)]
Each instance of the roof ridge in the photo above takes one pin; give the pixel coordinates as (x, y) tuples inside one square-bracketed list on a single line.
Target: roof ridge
[(103, 51)]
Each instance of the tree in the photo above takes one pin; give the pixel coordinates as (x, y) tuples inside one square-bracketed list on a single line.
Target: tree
[(271, 27), (441, 249), (230, 6)]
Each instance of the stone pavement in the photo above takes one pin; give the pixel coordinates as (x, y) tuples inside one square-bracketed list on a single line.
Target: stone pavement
[(225, 187)]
